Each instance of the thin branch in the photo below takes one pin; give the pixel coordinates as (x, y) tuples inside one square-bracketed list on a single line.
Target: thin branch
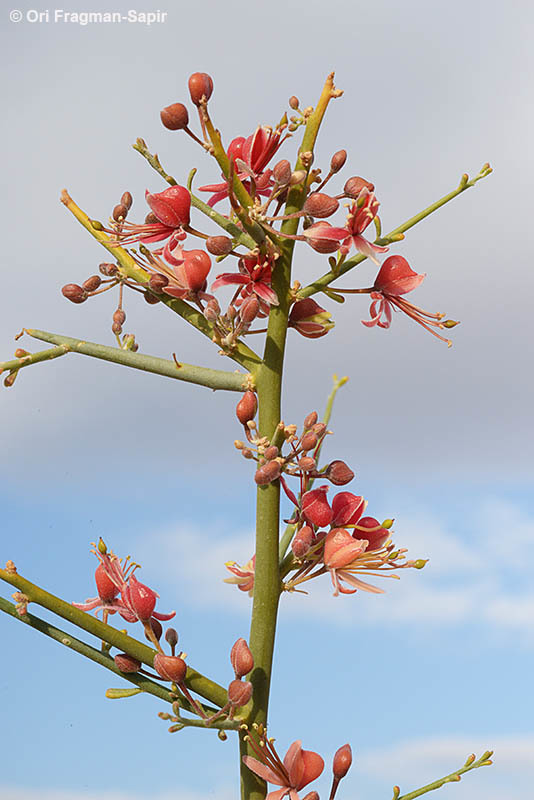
[(241, 353), (190, 373), (194, 680), (471, 763), (397, 234)]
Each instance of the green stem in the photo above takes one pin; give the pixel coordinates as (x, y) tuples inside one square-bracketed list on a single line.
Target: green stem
[(33, 358), (230, 227), (194, 680), (241, 353), (190, 373), (269, 389), (452, 778), (395, 235)]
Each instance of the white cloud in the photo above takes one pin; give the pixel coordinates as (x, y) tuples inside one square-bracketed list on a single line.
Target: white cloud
[(476, 576)]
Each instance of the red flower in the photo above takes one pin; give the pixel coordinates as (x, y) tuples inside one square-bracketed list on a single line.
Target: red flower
[(361, 214), (255, 273), (315, 508), (251, 156), (310, 319), (299, 768), (171, 209), (394, 279)]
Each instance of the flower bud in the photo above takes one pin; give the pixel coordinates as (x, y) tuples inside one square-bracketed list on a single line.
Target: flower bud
[(354, 186), (119, 212), (369, 528), (239, 692), (150, 298), (92, 283), (271, 452), (347, 509), (157, 629), (293, 102), (339, 473), (108, 269), (302, 542), (268, 473), (249, 309), (158, 282), (171, 637), (320, 205), (282, 172), (241, 658), (218, 245), (200, 85), (175, 117), (74, 293), (170, 668), (306, 463), (126, 663), (323, 238), (319, 428), (172, 206), (119, 317), (297, 177), (310, 419), (20, 353), (338, 161), (127, 200), (247, 407), (342, 762), (195, 269), (142, 599), (107, 591), (308, 441), (315, 507), (151, 218)]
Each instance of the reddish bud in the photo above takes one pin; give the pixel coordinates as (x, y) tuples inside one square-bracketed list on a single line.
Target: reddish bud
[(247, 407), (200, 85), (323, 238), (92, 283), (338, 161), (311, 419), (142, 599), (347, 508), (302, 542), (249, 309), (127, 200), (108, 269), (282, 172), (271, 452), (172, 206), (339, 473), (158, 282), (320, 205), (150, 218), (20, 353), (107, 591), (218, 245), (293, 102), (241, 658), (315, 507), (267, 473), (150, 298), (126, 663), (308, 441), (306, 463), (354, 186), (319, 428), (74, 293), (369, 528), (239, 692), (175, 117), (119, 212), (170, 668), (157, 629), (310, 319), (342, 762), (171, 637), (119, 317), (195, 269)]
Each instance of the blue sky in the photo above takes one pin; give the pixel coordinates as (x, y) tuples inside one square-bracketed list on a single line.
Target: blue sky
[(439, 439)]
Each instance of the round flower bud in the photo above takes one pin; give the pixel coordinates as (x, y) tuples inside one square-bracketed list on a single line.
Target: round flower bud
[(218, 245), (249, 309), (119, 212), (339, 473), (320, 205), (354, 186), (127, 200), (170, 668), (302, 542), (158, 282), (175, 117), (282, 172), (338, 161), (200, 85), (157, 629), (171, 637), (306, 463), (107, 591), (119, 317), (108, 269), (271, 452), (369, 528), (247, 407), (308, 441), (239, 692), (92, 283), (150, 298), (142, 599), (267, 473), (74, 293), (293, 102), (241, 658), (342, 762), (311, 419), (319, 428), (126, 663)]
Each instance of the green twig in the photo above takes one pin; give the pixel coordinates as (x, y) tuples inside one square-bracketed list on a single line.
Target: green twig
[(190, 373), (194, 680), (470, 764), (395, 235)]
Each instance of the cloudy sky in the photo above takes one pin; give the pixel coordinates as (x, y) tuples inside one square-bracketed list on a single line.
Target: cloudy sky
[(440, 439)]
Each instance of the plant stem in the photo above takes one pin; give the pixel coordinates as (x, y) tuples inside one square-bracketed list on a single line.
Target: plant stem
[(395, 235), (241, 353), (269, 389), (483, 761), (190, 373), (194, 680)]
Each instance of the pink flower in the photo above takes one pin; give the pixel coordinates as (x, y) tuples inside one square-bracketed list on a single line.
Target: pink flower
[(255, 273), (324, 237), (244, 576), (361, 214), (315, 508), (310, 319), (189, 271), (250, 156), (171, 209), (299, 768), (394, 279)]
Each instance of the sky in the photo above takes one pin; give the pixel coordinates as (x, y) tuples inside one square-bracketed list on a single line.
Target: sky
[(440, 439)]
